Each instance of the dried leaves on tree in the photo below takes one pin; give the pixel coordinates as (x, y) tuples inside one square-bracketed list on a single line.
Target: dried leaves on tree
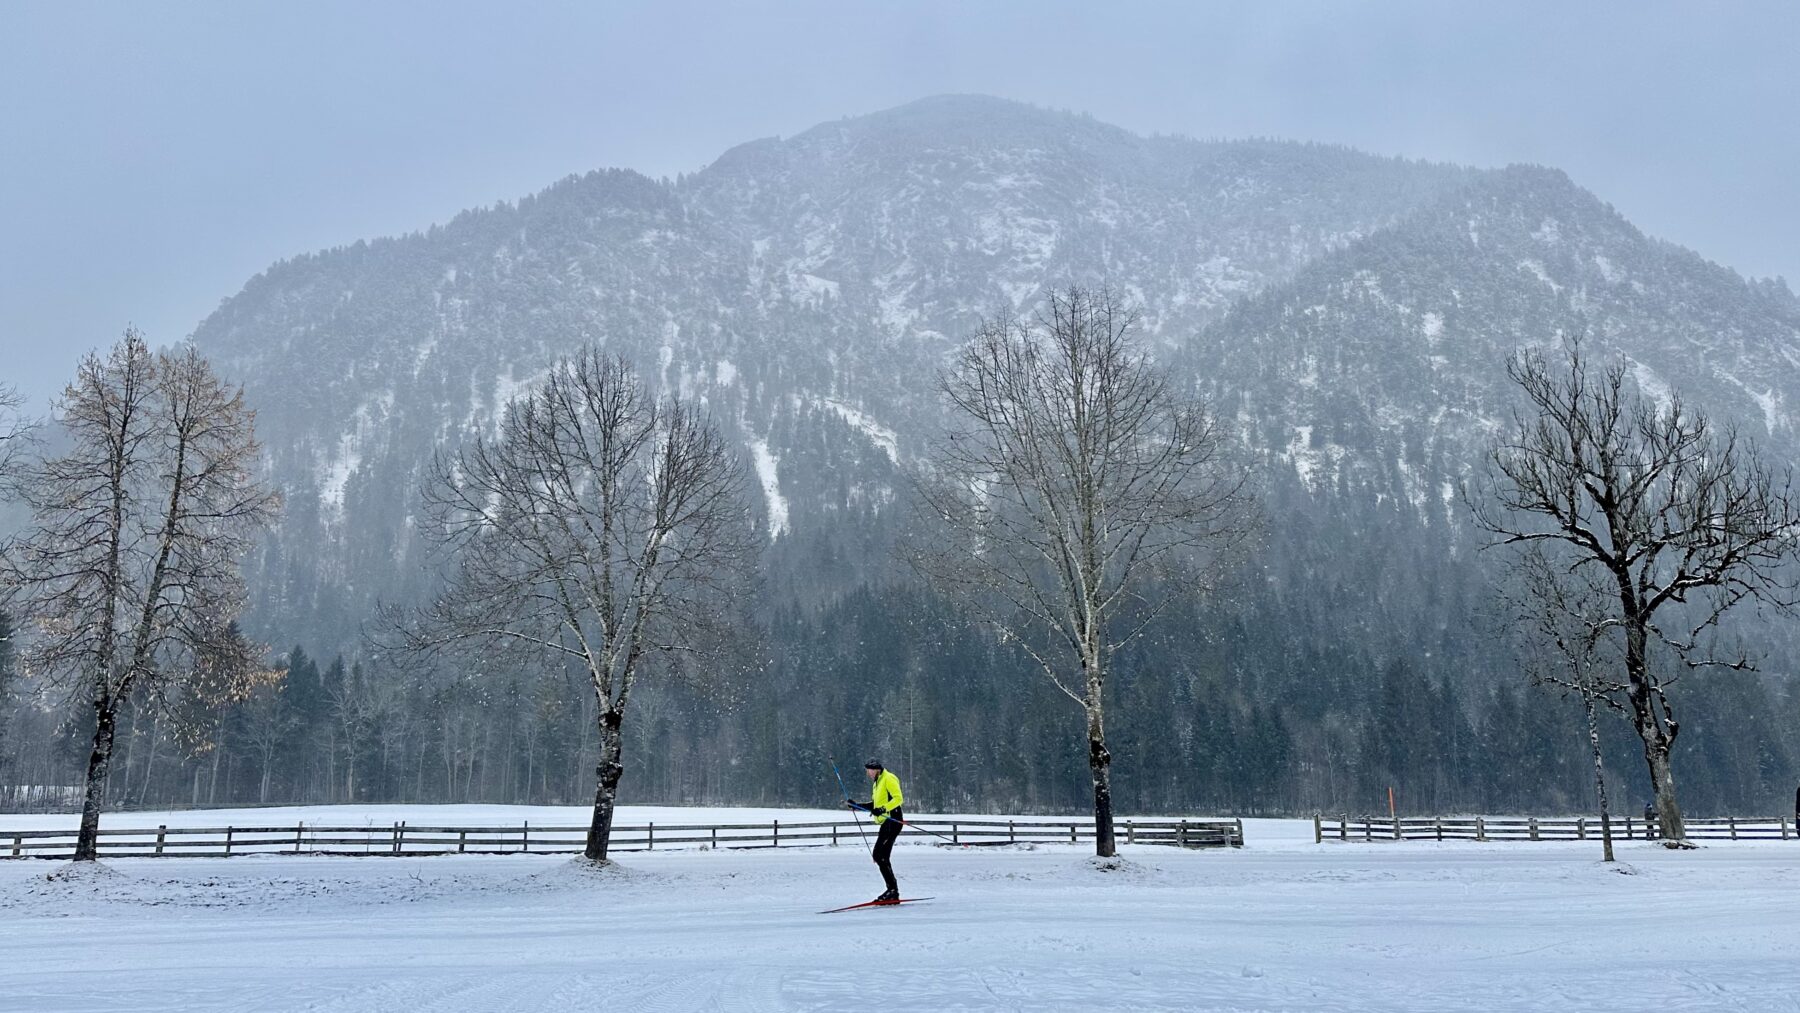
[(128, 576)]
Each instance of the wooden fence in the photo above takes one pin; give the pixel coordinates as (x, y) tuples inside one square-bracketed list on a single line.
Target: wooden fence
[(402, 839), (1536, 828)]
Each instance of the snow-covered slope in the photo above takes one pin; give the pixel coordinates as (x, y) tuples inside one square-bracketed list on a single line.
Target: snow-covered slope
[(1394, 927), (1388, 354), (807, 289)]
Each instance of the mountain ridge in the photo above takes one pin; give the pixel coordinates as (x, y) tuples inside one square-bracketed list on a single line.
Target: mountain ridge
[(808, 288)]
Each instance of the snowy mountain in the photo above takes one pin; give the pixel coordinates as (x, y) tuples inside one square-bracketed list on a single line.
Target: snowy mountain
[(1390, 349), (1353, 312)]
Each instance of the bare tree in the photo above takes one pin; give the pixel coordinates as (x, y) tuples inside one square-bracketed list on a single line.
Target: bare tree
[(1563, 625), (1679, 521), (129, 573), (15, 434), (599, 525), (1073, 474), (15, 430)]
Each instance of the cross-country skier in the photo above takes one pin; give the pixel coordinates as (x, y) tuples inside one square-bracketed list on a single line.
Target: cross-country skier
[(884, 805)]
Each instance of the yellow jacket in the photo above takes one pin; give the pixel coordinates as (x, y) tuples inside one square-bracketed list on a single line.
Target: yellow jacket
[(885, 795)]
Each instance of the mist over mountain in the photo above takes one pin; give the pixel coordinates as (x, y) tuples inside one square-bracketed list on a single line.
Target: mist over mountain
[(1351, 314), (808, 289)]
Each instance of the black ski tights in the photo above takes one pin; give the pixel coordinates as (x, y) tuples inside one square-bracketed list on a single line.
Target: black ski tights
[(884, 846)]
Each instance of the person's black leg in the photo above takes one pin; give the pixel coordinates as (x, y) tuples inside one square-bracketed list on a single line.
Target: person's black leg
[(884, 848)]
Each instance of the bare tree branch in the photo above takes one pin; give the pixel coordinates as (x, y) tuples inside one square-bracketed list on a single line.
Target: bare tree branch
[(1074, 472), (600, 525), (1671, 516), (129, 575)]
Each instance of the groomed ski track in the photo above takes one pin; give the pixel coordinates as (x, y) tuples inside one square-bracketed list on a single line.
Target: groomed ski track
[(1280, 925)]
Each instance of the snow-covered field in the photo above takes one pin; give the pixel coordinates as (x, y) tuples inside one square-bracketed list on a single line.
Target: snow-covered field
[(1281, 925)]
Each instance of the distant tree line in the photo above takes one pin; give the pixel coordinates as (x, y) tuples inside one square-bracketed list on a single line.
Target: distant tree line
[(1303, 728), (1350, 650)]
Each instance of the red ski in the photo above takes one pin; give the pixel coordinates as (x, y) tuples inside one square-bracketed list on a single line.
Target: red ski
[(875, 903)]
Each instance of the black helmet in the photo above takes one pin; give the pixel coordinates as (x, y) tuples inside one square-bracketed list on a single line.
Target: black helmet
[(873, 764)]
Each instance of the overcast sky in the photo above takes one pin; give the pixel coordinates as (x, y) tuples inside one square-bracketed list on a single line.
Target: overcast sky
[(153, 157)]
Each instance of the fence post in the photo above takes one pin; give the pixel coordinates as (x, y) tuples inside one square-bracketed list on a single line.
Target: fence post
[(1072, 833), (462, 841), (299, 829), (1240, 832), (1437, 823), (1184, 834), (1731, 824), (652, 846), (400, 838), (1368, 829), (1130, 832), (160, 831), (1343, 826), (1481, 829), (525, 837), (953, 834), (1398, 836), (19, 839), (1012, 833), (227, 842), (1534, 828), (1318, 830), (834, 827), (1581, 828), (777, 833), (715, 838), (1783, 828)]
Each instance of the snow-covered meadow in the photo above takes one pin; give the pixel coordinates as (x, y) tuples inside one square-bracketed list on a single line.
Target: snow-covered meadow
[(1283, 924)]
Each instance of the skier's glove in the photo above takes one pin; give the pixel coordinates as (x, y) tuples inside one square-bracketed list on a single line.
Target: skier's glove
[(877, 810)]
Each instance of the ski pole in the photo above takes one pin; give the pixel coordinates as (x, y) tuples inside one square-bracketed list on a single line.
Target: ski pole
[(860, 832), (903, 823)]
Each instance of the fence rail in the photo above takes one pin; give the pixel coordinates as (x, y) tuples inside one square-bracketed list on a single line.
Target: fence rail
[(1367, 829), (403, 839)]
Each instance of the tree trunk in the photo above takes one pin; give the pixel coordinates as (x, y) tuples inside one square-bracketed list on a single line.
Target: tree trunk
[(212, 779), (1657, 737), (330, 765), (125, 761), (150, 763), (87, 845), (1100, 766), (1593, 727), (469, 775), (606, 789), (1662, 779)]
